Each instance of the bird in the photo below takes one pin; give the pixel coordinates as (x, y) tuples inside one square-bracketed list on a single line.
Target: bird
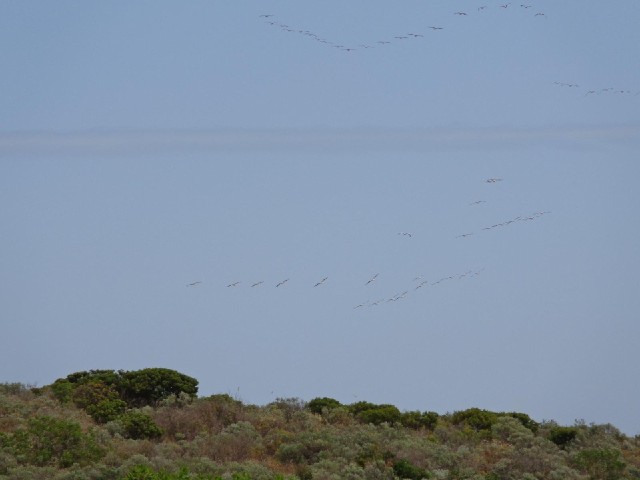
[(505, 5), (257, 283), (459, 13), (321, 282), (282, 282), (493, 180), (233, 284), (266, 15), (464, 235), (194, 284), (478, 202), (435, 28), (406, 234), (372, 279)]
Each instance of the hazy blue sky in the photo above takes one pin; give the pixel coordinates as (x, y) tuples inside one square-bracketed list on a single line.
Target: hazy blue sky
[(147, 146)]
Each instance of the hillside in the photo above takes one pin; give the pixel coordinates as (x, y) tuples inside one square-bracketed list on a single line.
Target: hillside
[(150, 424)]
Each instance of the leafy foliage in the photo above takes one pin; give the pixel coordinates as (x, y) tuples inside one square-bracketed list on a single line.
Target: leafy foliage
[(317, 405), (58, 432), (562, 436), (53, 441), (138, 425)]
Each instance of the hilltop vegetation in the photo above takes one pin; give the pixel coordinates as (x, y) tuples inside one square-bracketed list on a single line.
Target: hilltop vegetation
[(151, 425)]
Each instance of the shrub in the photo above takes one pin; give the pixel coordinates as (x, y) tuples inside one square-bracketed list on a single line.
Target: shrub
[(316, 405), (49, 440), (417, 420), (405, 469), (380, 414), (562, 436), (475, 418), (602, 464), (151, 385), (138, 425)]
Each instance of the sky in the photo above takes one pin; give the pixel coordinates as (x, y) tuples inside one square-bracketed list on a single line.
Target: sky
[(284, 199)]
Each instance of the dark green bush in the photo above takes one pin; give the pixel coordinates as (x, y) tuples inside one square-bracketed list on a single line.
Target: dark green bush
[(138, 425), (562, 436), (318, 404), (53, 441), (405, 469), (417, 420), (380, 414), (149, 386), (475, 418)]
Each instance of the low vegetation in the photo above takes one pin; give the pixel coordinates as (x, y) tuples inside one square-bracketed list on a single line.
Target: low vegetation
[(151, 425)]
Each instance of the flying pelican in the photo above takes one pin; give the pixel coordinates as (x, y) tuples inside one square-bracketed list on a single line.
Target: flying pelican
[(493, 180), (436, 28), (257, 283), (266, 16), (282, 282), (478, 202), (321, 282), (194, 284), (459, 13), (464, 235), (233, 284), (372, 279)]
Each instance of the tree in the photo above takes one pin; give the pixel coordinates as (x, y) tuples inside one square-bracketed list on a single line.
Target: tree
[(150, 385), (317, 405), (417, 420), (562, 436), (475, 418)]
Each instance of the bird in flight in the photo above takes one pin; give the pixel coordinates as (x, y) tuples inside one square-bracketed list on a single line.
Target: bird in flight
[(405, 234), (372, 279), (282, 282), (257, 283), (493, 180), (321, 282), (194, 284), (459, 13), (266, 15), (436, 28), (234, 284), (464, 235)]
